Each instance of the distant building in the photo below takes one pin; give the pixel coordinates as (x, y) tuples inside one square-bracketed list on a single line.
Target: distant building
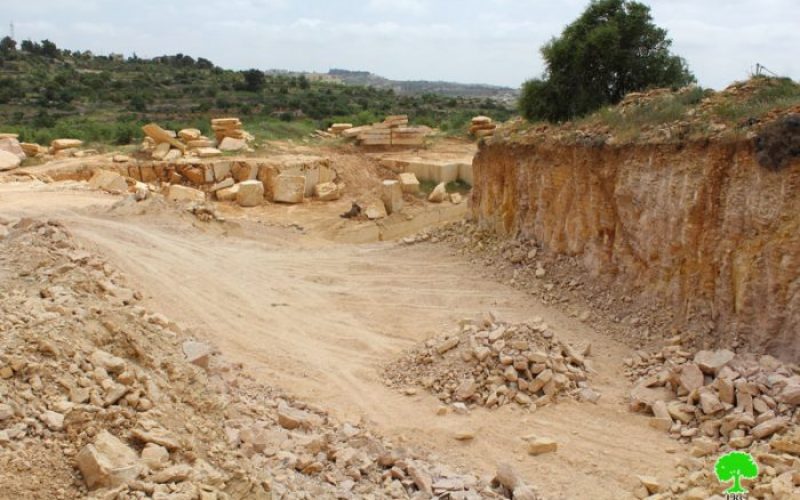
[(117, 57)]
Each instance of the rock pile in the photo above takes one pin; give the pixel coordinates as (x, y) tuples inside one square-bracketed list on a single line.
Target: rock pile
[(393, 131), (101, 397), (715, 397), (482, 126), (492, 363), (166, 145), (230, 134)]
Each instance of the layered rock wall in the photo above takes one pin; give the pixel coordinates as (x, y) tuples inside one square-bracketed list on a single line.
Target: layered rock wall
[(701, 225)]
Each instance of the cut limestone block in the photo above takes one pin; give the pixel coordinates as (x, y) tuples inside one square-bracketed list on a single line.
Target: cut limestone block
[(289, 188), (232, 144), (251, 194), (409, 183), (108, 462), (200, 143), (108, 181), (228, 194), (327, 191), (59, 144), (222, 170), (224, 184), (439, 193), (392, 196), (189, 134), (375, 210), (183, 193), (207, 152)]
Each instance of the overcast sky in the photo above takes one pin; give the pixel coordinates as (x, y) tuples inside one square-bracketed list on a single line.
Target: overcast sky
[(482, 41)]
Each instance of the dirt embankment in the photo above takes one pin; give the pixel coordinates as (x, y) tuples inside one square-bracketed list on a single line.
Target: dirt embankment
[(701, 225)]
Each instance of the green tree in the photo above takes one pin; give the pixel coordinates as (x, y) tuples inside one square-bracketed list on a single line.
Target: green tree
[(7, 46), (253, 80), (735, 466), (612, 49)]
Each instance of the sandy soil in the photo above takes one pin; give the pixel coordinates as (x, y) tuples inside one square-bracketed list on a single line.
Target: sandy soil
[(320, 319)]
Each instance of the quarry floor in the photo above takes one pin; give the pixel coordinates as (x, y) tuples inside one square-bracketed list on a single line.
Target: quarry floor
[(307, 307)]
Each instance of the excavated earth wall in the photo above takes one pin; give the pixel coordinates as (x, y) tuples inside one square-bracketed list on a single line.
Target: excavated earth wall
[(700, 225)]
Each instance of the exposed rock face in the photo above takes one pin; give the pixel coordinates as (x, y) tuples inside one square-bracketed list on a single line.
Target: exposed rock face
[(702, 225)]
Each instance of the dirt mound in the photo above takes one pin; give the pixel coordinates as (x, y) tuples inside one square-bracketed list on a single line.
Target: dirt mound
[(99, 396), (492, 363)]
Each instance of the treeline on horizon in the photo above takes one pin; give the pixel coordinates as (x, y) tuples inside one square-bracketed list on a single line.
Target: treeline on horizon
[(48, 92)]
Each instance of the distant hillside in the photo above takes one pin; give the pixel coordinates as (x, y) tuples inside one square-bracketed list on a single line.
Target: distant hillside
[(425, 87), (46, 91)]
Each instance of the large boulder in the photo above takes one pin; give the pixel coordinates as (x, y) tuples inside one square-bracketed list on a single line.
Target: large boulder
[(289, 188), (12, 145), (251, 194), (8, 161), (108, 462)]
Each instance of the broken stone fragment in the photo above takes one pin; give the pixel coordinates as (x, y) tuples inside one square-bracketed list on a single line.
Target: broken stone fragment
[(375, 210), (54, 421), (541, 446), (292, 418), (691, 377), (448, 345), (154, 456), (711, 362), (197, 353), (108, 462)]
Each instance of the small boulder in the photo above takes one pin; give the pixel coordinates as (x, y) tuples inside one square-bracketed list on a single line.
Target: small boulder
[(438, 194), (108, 462), (228, 194), (12, 145)]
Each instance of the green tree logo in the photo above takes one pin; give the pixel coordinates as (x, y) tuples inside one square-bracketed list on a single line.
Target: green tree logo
[(733, 467)]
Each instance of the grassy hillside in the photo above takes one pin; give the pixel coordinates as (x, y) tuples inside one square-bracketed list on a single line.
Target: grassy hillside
[(46, 92)]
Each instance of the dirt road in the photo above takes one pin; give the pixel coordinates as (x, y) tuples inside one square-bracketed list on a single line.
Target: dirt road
[(321, 319)]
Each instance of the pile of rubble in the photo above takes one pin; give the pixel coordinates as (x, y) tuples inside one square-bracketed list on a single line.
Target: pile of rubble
[(168, 145), (101, 397), (731, 399), (492, 363), (393, 131), (482, 126)]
